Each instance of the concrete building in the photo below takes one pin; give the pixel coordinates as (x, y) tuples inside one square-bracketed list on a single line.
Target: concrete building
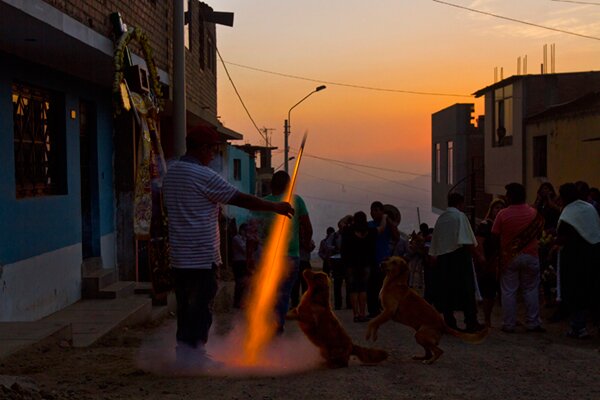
[(457, 158), (562, 144), (508, 104), (263, 168), (67, 166)]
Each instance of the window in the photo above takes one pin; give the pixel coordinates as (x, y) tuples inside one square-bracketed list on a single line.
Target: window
[(186, 23), (237, 169), (40, 162), (450, 162), (503, 116), (438, 173), (540, 156)]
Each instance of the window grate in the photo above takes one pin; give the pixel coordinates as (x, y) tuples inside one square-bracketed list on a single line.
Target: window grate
[(34, 143)]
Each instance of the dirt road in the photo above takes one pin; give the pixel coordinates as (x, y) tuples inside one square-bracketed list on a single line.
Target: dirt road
[(135, 364)]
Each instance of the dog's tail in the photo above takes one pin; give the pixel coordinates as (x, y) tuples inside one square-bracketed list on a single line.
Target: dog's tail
[(369, 356), (475, 337)]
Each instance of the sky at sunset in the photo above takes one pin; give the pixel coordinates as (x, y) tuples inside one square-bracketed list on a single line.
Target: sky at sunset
[(397, 45)]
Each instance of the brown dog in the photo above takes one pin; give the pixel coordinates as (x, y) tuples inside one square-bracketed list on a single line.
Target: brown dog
[(404, 305), (324, 330)]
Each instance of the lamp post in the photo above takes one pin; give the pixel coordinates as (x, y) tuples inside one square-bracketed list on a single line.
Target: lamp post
[(280, 165), (287, 126)]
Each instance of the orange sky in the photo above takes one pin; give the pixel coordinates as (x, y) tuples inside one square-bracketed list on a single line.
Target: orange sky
[(417, 45)]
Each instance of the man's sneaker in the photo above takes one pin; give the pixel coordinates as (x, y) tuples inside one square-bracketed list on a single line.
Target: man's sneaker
[(580, 334), (207, 363)]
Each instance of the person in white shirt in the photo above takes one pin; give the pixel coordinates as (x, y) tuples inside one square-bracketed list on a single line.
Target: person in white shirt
[(454, 280), (579, 258)]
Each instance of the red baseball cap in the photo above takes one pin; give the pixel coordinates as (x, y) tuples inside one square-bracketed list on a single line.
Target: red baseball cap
[(202, 135)]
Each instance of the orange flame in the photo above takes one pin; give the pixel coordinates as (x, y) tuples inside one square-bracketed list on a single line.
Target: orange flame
[(272, 270), (261, 303)]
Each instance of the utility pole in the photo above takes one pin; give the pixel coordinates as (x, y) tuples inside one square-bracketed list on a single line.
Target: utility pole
[(265, 132), (179, 100)]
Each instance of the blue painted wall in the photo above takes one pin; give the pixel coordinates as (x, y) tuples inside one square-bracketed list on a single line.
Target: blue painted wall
[(246, 184), (34, 226)]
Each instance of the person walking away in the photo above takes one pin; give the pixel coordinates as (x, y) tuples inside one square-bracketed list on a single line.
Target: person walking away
[(358, 250), (192, 194), (387, 232), (453, 244), (340, 272), (487, 271), (326, 249), (518, 228), (579, 258)]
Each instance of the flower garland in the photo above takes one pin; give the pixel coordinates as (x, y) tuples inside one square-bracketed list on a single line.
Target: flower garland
[(120, 48)]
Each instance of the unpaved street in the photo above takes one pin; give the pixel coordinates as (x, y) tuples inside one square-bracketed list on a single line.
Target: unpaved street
[(135, 363)]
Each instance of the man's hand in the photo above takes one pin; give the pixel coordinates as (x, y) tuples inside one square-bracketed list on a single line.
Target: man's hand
[(284, 208)]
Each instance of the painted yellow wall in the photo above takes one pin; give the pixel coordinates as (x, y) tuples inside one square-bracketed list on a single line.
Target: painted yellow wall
[(569, 158)]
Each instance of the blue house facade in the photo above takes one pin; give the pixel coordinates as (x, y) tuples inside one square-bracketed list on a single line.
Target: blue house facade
[(56, 186), (240, 172), (67, 167)]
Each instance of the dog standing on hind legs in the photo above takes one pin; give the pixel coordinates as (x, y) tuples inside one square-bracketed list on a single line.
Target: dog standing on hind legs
[(323, 329), (402, 304)]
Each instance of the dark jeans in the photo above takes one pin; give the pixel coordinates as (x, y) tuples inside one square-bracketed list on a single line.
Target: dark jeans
[(340, 274), (285, 289), (300, 282), (454, 287), (195, 290)]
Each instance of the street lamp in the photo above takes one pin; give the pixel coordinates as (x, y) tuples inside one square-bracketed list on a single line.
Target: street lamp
[(287, 125), (280, 165)]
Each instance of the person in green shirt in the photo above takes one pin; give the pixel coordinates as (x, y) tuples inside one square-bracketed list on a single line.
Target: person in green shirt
[(301, 235)]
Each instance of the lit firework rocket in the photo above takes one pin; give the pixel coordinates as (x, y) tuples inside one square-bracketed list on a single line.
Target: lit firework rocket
[(271, 272)]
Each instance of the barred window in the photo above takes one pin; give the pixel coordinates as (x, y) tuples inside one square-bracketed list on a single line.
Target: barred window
[(39, 148)]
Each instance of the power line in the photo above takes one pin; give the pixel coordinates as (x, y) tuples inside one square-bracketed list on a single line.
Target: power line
[(239, 96), (346, 84), (363, 165), (577, 2), (354, 203), (341, 164), (362, 189), (516, 20), (366, 166), (344, 202)]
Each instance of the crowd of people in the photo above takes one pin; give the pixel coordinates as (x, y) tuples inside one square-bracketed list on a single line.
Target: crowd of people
[(548, 250)]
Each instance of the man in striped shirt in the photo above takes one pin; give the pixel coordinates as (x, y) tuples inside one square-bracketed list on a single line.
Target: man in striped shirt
[(192, 194)]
